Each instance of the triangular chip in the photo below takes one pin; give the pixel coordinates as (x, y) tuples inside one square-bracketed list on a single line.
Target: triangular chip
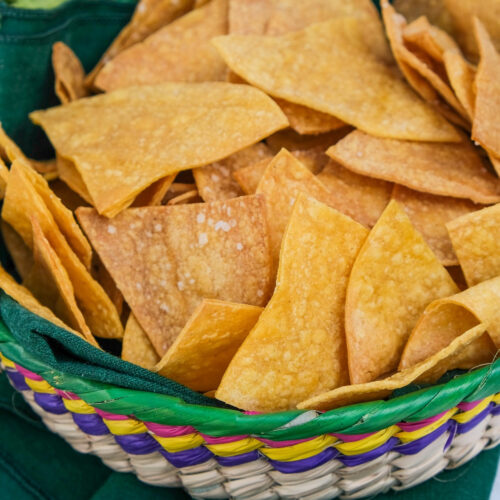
[(134, 138), (486, 126), (395, 276), (69, 74), (216, 182), (345, 79), (137, 347), (297, 348), (454, 170), (19, 252), (366, 197), (203, 350), (476, 240), (178, 52), (429, 370), (166, 259), (429, 214), (22, 202)]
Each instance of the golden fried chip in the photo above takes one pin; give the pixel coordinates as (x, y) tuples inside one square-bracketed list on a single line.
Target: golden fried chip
[(72, 178), (248, 178), (429, 214), (69, 74), (4, 174), (297, 352), (19, 252), (49, 282), (430, 369), (345, 79), (102, 276), (486, 126), (476, 240), (395, 276), (435, 11), (22, 201), (454, 170), (137, 347), (166, 259), (291, 140), (203, 350), (154, 194), (366, 197), (216, 182), (133, 138)]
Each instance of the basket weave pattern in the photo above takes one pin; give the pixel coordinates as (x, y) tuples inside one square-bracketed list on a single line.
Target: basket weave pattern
[(251, 467)]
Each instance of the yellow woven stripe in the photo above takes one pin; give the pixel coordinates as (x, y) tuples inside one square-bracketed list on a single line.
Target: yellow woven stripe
[(124, 427), (235, 448), (40, 386), (180, 443), (7, 362), (496, 399), (78, 406), (406, 437), (368, 443), (301, 450), (465, 416)]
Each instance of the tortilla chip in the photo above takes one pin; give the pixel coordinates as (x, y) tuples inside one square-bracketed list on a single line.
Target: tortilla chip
[(70, 176), (148, 17), (203, 350), (4, 174), (430, 369), (19, 252), (134, 138), (454, 170), (495, 162), (486, 126), (366, 196), (216, 182), (69, 74), (22, 202), (345, 79), (429, 214), (291, 140), (178, 52), (297, 352), (49, 282), (185, 198), (70, 198), (154, 194), (166, 259), (137, 347), (435, 11), (102, 276), (395, 276)]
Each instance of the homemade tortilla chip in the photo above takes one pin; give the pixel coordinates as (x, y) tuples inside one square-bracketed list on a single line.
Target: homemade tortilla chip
[(429, 370), (137, 347), (366, 197), (345, 79), (486, 126), (166, 259), (178, 52), (22, 202), (429, 214), (203, 350), (69, 74), (476, 240), (216, 182), (133, 138), (70, 176), (297, 352), (395, 276), (19, 252), (454, 170)]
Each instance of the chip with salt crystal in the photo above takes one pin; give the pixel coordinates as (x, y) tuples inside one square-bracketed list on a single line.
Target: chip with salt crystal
[(203, 350), (430, 369), (137, 347), (429, 214), (344, 79), (178, 52), (295, 352), (166, 259), (135, 137), (454, 170), (395, 276), (69, 74)]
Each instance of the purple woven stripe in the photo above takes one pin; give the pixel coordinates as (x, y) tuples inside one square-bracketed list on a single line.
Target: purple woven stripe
[(495, 410), (467, 426), (244, 458), (185, 458), (51, 403), (350, 461), (138, 444), (305, 463), (91, 424), (451, 435), (17, 380), (419, 444)]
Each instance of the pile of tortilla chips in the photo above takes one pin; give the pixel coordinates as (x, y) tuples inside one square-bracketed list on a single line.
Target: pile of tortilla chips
[(280, 204)]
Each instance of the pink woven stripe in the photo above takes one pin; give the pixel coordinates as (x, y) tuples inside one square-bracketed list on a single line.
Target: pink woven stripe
[(28, 374), (282, 444), (67, 394), (110, 416), (349, 438), (221, 440), (169, 430), (469, 406), (414, 426)]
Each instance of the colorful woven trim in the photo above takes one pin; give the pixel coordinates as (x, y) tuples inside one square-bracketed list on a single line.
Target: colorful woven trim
[(184, 446)]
